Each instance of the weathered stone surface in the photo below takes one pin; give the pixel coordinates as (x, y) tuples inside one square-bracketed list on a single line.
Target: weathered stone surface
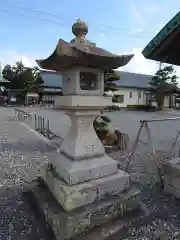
[(67, 225), (73, 172), (71, 85), (172, 190), (82, 141), (76, 102), (71, 197)]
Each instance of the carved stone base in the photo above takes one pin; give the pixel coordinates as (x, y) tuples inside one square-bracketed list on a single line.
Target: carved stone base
[(75, 196), (68, 225), (76, 172)]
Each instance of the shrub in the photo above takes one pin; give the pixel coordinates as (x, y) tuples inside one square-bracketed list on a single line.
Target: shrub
[(113, 108), (106, 119), (141, 107), (100, 125), (102, 133), (108, 135)]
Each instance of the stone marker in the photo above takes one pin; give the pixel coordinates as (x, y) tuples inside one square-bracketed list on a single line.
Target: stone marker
[(83, 187)]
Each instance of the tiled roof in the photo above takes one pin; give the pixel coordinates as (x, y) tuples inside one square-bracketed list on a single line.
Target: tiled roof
[(171, 27), (134, 80), (51, 79), (127, 79)]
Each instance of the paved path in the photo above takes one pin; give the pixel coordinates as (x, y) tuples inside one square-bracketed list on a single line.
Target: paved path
[(163, 132)]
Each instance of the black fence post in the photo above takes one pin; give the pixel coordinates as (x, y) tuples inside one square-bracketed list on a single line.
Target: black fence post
[(43, 132), (48, 130), (39, 124), (35, 122)]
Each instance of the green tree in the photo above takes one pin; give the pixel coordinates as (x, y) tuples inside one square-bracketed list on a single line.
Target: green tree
[(110, 82), (163, 83), (110, 79), (32, 80), (22, 79)]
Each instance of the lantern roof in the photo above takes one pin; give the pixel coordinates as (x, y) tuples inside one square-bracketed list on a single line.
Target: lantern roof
[(82, 52)]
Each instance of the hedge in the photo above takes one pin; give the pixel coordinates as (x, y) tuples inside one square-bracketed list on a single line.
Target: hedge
[(138, 107)]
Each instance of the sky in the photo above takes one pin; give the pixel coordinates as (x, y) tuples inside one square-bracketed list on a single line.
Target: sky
[(31, 29)]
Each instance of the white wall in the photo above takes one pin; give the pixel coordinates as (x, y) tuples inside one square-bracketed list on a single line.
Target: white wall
[(135, 99)]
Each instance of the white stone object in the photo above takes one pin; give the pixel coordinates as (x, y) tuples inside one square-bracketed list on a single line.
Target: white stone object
[(82, 172)]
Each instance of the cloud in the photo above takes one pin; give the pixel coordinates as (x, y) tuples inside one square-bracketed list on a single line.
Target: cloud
[(139, 64), (11, 56)]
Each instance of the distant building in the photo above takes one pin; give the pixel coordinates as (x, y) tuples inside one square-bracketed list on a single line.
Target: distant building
[(51, 86), (135, 89)]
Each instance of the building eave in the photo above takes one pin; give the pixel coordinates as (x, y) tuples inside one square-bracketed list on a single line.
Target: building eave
[(161, 44)]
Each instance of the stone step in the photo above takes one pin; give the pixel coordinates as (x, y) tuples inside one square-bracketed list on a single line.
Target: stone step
[(138, 225), (69, 225)]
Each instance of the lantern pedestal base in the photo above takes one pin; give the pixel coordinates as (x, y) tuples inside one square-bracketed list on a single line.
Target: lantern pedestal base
[(79, 195), (67, 225)]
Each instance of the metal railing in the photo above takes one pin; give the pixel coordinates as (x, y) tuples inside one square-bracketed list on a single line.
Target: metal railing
[(157, 141), (38, 123), (21, 115), (42, 126)]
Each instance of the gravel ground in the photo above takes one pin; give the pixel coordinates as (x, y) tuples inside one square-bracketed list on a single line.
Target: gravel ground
[(17, 220), (164, 222), (22, 155)]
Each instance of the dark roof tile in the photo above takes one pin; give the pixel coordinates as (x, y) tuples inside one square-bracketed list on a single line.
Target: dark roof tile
[(134, 80), (127, 79), (51, 79)]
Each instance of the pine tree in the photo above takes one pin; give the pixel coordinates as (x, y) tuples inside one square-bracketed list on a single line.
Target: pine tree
[(163, 83)]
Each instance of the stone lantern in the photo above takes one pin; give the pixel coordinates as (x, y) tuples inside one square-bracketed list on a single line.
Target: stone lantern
[(82, 178)]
